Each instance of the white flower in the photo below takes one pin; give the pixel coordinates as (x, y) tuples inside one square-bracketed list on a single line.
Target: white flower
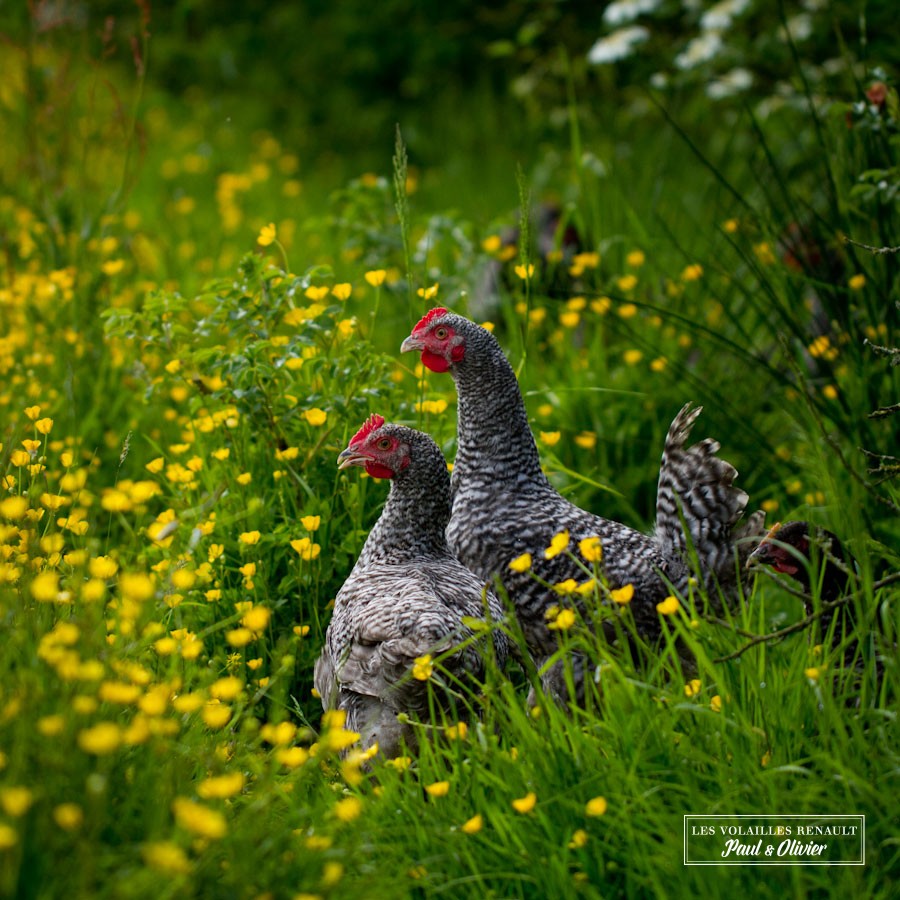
[(622, 11), (729, 84), (799, 27), (617, 45), (700, 50), (720, 16)]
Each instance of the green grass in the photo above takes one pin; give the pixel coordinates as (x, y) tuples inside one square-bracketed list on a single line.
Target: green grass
[(171, 541)]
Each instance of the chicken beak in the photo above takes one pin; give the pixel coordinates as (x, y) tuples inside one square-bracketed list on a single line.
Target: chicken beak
[(351, 457), (756, 558), (412, 343), (760, 556)]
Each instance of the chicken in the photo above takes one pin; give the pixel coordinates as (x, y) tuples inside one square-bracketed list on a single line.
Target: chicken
[(815, 558), (790, 550), (406, 602), (504, 506), (786, 548)]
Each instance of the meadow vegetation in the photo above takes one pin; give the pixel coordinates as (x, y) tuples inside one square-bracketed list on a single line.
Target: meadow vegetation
[(203, 297)]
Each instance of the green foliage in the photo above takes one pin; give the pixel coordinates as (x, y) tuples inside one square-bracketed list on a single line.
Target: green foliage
[(173, 528)]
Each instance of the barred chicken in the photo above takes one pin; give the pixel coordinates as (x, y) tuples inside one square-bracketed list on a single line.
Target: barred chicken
[(405, 601), (504, 506), (789, 550), (815, 558)]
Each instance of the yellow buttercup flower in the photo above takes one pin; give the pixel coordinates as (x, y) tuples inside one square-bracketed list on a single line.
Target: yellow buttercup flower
[(68, 816), (567, 587), (587, 260), (521, 563), (423, 668), (100, 739), (669, 606), (16, 801), (525, 272), (315, 416), (635, 258), (579, 839), (591, 549), (558, 543), (525, 804), (316, 292), (473, 825), (198, 819), (166, 856), (348, 809), (457, 732), (216, 715), (292, 757), (45, 587), (266, 235), (279, 735), (306, 548), (256, 619), (226, 688), (622, 595), (564, 620), (220, 787), (13, 507), (239, 637)]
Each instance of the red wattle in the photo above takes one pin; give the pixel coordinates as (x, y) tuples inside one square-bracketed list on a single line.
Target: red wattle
[(377, 470), (434, 362)]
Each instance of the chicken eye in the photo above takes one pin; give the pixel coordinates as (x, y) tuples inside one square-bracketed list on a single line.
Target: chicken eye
[(441, 332), (384, 444)]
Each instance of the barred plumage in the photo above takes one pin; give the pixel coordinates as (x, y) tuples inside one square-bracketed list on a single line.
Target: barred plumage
[(405, 598), (504, 506)]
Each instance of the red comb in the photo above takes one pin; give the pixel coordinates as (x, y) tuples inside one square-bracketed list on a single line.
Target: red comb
[(435, 313), (374, 421)]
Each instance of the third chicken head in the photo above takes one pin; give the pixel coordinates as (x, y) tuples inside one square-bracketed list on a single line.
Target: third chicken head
[(438, 340)]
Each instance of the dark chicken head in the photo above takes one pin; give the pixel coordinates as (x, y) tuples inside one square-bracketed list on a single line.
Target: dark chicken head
[(786, 548), (378, 448), (439, 339)]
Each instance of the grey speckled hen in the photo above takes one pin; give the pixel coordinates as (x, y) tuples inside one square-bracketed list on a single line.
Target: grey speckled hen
[(406, 596), (504, 506)]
